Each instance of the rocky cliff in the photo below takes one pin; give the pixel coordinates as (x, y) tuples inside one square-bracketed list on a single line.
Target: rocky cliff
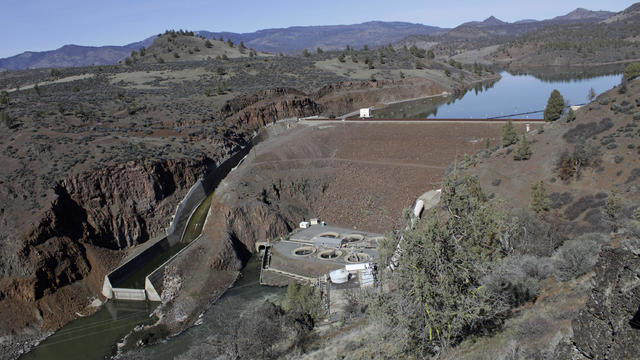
[(92, 215), (351, 95), (602, 329), (256, 110)]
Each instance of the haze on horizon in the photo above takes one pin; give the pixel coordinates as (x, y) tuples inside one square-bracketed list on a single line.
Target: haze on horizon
[(40, 25)]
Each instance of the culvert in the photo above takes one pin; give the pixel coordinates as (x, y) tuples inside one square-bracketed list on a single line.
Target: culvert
[(329, 254), (304, 251), (357, 258)]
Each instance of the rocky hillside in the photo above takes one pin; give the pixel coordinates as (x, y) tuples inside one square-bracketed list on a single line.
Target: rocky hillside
[(72, 55), (180, 46), (334, 37), (590, 168)]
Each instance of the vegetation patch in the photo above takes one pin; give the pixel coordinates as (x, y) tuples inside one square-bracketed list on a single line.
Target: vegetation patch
[(582, 132)]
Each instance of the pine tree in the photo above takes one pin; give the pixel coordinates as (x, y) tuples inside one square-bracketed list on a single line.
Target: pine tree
[(555, 106), (539, 202), (571, 115), (523, 152), (509, 134)]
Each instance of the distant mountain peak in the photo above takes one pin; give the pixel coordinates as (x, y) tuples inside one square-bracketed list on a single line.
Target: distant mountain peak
[(583, 14), (492, 20)]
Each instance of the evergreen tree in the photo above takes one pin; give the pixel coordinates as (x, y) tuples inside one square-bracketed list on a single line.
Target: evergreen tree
[(539, 202), (571, 115), (523, 152), (306, 53), (509, 134), (555, 106)]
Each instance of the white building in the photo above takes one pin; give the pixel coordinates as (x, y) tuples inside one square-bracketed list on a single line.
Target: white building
[(366, 112)]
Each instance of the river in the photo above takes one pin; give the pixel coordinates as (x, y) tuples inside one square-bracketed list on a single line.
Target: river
[(94, 337)]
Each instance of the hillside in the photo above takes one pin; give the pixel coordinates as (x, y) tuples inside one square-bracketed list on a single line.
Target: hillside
[(612, 40), (476, 35), (72, 55), (183, 46), (297, 38)]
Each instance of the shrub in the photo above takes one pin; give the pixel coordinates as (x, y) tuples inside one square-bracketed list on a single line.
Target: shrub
[(304, 299), (559, 200), (581, 205), (571, 116), (208, 44), (571, 164), (4, 98), (496, 182), (577, 256), (517, 278), (582, 132)]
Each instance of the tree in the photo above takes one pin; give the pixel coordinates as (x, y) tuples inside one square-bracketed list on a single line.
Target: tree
[(319, 50), (306, 53), (631, 71), (431, 54), (437, 297), (523, 152), (612, 208), (555, 106), (571, 115), (341, 58), (509, 134), (591, 95), (4, 98), (365, 47), (229, 42), (208, 44), (539, 202)]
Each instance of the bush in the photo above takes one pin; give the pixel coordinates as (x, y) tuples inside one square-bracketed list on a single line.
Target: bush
[(517, 278), (582, 132), (571, 164), (304, 299), (577, 256)]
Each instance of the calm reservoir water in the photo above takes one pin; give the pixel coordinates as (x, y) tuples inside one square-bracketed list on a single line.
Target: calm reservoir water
[(512, 94), (93, 337)]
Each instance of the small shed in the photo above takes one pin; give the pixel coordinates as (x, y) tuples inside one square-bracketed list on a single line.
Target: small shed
[(327, 242), (366, 112)]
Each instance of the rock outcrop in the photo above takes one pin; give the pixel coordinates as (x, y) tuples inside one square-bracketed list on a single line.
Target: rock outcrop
[(93, 214), (602, 329), (256, 110), (347, 96)]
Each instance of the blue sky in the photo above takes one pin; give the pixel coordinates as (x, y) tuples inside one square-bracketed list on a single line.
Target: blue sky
[(48, 24)]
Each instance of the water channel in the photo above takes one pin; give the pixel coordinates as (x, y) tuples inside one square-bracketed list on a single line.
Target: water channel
[(93, 337)]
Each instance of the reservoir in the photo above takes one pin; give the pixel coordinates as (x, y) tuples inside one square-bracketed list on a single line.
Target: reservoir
[(512, 94)]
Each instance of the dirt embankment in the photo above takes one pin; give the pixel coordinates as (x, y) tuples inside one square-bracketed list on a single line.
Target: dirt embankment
[(351, 95)]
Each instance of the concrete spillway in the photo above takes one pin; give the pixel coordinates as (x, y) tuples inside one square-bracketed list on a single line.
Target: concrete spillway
[(132, 280)]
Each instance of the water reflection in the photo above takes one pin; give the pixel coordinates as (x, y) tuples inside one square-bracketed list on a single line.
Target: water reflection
[(513, 94)]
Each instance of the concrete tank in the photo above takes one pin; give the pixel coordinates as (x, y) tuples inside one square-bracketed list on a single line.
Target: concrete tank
[(339, 276)]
